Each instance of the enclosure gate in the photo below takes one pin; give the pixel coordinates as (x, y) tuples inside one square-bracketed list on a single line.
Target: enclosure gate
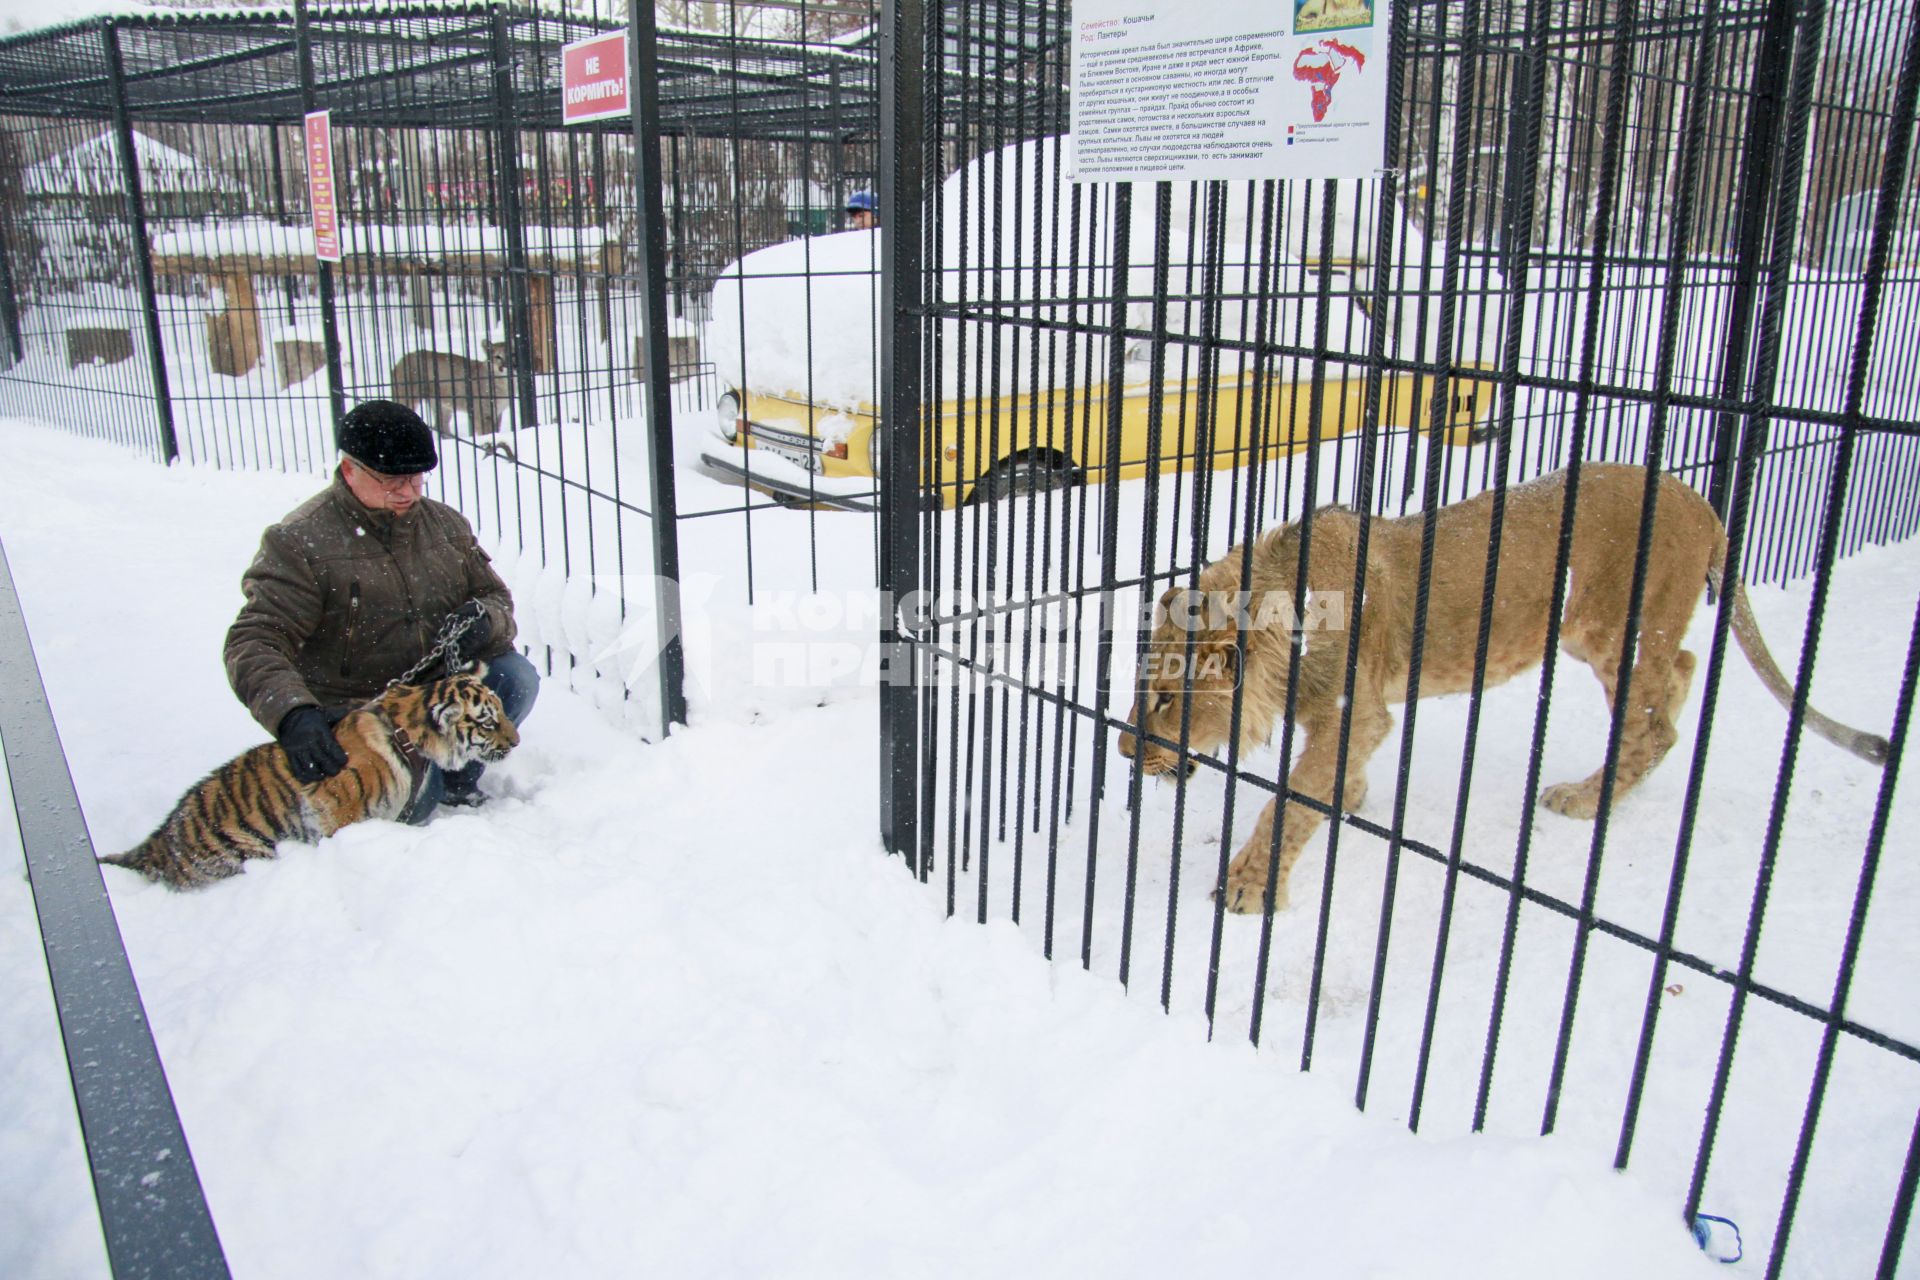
[(1675, 234)]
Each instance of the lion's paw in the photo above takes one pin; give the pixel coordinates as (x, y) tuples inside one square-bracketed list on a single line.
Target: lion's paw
[(1573, 799), (1247, 886)]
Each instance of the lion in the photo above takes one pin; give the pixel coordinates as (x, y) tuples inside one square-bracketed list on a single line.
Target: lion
[(1224, 634)]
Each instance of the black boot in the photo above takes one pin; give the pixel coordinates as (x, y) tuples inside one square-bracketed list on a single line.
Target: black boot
[(463, 787)]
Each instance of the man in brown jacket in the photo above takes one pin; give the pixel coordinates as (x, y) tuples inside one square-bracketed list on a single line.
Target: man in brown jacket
[(352, 588)]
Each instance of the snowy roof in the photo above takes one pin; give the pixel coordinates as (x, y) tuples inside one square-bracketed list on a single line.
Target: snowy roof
[(49, 13), (93, 169), (435, 69)]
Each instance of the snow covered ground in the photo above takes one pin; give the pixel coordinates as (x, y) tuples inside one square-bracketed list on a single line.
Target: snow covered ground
[(659, 1010), (1146, 902)]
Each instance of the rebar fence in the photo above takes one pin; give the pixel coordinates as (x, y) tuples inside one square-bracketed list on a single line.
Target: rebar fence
[(1660, 259)]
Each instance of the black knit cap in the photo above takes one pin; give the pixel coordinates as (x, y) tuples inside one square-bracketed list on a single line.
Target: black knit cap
[(388, 437)]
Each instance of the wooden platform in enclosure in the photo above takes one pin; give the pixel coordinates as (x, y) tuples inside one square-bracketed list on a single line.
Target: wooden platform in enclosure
[(234, 345)]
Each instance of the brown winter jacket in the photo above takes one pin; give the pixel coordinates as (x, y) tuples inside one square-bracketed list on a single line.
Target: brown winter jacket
[(342, 599)]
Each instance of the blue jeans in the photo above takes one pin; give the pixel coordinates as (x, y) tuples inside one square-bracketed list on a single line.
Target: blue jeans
[(517, 682)]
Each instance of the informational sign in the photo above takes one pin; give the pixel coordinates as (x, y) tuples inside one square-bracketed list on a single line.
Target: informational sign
[(326, 213), (593, 79), (1203, 89)]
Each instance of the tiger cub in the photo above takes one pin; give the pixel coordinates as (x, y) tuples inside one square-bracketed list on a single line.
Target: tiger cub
[(248, 805)]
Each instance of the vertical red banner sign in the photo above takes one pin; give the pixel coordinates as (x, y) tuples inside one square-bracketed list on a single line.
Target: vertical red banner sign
[(593, 79), (326, 214)]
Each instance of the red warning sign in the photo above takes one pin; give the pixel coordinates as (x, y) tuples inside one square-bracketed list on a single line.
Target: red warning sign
[(326, 214), (593, 79)]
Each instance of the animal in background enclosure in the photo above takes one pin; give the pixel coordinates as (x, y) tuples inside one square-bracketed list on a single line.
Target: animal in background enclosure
[(1320, 15), (437, 385), (1226, 638), (98, 345), (683, 355), (247, 806)]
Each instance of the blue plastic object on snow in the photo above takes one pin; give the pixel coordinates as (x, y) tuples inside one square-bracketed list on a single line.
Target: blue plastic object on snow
[(1718, 1238)]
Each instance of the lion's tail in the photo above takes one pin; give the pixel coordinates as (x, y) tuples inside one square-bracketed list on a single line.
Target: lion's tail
[(1870, 747)]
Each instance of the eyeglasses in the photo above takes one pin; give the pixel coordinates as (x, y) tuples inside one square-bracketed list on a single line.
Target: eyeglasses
[(394, 484)]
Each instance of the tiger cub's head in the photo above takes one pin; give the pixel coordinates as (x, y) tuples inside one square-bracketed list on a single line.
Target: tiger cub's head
[(455, 720)]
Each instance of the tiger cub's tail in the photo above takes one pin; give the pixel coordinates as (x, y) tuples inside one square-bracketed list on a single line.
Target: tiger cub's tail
[(238, 811), (157, 858)]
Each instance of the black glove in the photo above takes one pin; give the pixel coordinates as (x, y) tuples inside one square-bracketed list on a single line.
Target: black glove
[(306, 735), (465, 647)]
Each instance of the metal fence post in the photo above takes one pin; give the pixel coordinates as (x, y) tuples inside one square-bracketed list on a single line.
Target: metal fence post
[(519, 326), (280, 208), (838, 214), (137, 226), (681, 284), (9, 304), (903, 43), (1771, 77), (643, 76), (323, 270)]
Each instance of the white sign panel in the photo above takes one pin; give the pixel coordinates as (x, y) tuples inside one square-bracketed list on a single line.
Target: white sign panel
[(1181, 90)]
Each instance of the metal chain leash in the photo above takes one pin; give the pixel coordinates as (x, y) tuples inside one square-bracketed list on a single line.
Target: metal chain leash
[(450, 632)]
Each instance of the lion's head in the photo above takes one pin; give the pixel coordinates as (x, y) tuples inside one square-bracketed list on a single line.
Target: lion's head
[(1191, 660)]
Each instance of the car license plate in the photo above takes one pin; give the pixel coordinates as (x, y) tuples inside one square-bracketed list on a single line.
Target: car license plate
[(799, 457)]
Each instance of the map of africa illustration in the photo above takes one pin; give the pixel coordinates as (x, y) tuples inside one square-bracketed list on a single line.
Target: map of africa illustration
[(1320, 65)]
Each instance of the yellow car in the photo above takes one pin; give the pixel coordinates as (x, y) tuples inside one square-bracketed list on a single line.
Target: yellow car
[(1025, 443), (794, 337)]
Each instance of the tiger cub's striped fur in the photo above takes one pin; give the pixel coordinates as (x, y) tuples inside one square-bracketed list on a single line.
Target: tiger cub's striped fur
[(248, 805)]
